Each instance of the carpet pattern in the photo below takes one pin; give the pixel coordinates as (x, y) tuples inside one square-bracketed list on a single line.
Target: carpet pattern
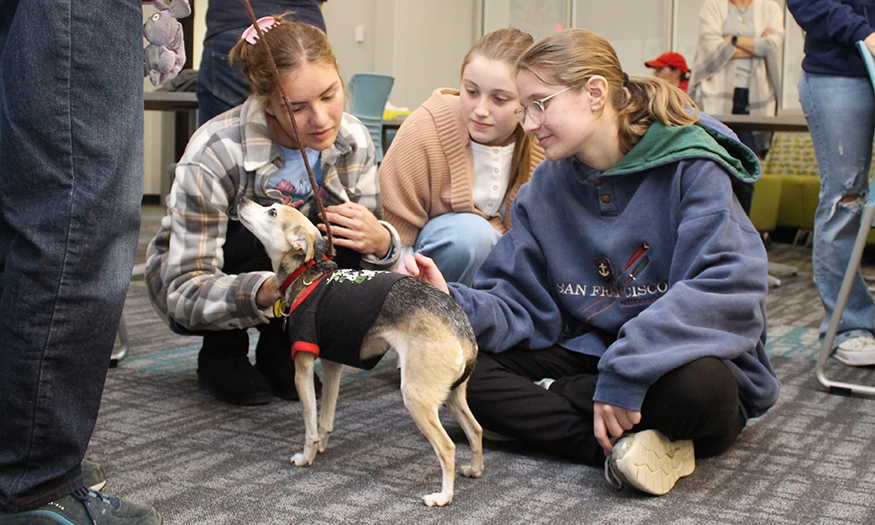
[(164, 441)]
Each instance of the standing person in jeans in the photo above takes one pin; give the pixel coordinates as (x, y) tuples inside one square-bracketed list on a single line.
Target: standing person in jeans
[(839, 105), (71, 153), (221, 86)]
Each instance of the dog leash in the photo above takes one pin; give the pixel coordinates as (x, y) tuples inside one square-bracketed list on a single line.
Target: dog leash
[(276, 76)]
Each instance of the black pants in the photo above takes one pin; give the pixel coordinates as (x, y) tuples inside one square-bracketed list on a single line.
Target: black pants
[(243, 252), (697, 401), (741, 106)]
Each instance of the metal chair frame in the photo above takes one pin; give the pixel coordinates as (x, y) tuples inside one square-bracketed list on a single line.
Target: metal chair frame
[(850, 274), (121, 351)]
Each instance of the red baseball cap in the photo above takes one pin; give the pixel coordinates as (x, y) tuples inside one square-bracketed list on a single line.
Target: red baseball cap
[(675, 60)]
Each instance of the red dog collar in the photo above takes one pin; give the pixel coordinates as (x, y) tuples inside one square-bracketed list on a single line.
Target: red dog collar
[(297, 273)]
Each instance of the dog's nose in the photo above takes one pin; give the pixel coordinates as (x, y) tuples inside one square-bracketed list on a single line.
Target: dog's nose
[(244, 201)]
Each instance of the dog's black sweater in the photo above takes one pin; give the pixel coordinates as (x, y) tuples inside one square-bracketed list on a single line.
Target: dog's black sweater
[(332, 317)]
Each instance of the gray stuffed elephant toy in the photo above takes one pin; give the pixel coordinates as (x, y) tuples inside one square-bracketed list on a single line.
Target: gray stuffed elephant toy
[(165, 53)]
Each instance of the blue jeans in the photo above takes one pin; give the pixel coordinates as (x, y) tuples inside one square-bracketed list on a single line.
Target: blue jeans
[(71, 169), (458, 243), (219, 86), (841, 117)]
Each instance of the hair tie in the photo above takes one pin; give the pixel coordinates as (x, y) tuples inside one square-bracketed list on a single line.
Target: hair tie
[(264, 23), (625, 79)]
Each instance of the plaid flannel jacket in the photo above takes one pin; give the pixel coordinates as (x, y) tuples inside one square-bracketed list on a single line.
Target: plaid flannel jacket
[(230, 157)]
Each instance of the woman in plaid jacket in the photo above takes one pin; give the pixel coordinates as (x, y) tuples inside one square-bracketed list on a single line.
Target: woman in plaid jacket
[(206, 274)]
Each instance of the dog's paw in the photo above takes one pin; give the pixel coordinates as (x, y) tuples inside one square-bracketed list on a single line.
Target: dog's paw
[(470, 472), (301, 460), (438, 499), (323, 443)]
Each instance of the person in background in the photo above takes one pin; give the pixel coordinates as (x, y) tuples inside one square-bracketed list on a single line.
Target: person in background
[(208, 275), (457, 162), (220, 85), (737, 69), (623, 315), (837, 97), (671, 67), (71, 180)]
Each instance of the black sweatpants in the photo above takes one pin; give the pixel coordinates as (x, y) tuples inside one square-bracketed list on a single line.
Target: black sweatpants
[(697, 401)]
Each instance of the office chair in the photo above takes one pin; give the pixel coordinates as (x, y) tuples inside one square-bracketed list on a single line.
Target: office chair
[(848, 280), (368, 94)]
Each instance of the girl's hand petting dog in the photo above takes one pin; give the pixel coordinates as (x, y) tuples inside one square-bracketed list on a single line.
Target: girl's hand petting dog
[(354, 226), (424, 269), (267, 293)]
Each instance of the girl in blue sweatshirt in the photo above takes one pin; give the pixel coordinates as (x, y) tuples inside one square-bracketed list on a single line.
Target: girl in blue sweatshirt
[(623, 314)]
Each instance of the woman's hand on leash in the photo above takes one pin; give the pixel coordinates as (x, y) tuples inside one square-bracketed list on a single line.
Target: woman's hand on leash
[(267, 293), (354, 226), (611, 421), (424, 269)]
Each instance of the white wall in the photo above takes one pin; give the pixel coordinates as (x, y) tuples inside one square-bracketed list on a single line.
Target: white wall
[(422, 43), (636, 39)]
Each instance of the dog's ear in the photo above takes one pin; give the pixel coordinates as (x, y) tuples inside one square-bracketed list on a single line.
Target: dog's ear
[(301, 240)]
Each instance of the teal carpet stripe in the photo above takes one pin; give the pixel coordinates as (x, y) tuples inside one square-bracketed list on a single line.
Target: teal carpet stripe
[(785, 341)]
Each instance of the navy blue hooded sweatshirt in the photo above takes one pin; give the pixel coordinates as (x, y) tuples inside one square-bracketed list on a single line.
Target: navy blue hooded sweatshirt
[(832, 27), (649, 266)]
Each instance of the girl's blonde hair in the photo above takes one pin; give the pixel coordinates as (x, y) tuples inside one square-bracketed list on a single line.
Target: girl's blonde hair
[(507, 45), (292, 44), (573, 56)]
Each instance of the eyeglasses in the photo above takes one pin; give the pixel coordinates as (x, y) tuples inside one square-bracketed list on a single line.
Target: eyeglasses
[(535, 110)]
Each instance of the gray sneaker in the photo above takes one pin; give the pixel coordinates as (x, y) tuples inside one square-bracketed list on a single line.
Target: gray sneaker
[(93, 475), (85, 507), (649, 462)]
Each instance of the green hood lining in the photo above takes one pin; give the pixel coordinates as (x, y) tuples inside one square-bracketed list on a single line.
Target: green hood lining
[(665, 144)]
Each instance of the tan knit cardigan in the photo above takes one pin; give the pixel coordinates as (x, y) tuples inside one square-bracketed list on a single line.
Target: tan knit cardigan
[(429, 169)]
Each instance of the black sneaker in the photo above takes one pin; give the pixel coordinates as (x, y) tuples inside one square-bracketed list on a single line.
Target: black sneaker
[(93, 475), (85, 507), (233, 380)]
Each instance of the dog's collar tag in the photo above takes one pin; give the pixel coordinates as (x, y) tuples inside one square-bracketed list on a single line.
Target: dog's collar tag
[(280, 308)]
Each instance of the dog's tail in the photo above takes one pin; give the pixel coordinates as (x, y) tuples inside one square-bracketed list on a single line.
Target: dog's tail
[(469, 368)]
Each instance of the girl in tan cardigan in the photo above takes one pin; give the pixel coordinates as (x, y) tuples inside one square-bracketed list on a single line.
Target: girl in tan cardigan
[(451, 173)]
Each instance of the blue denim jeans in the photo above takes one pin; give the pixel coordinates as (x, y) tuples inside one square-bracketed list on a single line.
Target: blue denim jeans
[(220, 87), (841, 117), (71, 169), (458, 243)]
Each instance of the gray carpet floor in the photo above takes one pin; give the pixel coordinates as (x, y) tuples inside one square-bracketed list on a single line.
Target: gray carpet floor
[(164, 441)]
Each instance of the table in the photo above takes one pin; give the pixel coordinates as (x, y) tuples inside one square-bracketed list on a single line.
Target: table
[(751, 122), (184, 104), (760, 123), (170, 100)]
